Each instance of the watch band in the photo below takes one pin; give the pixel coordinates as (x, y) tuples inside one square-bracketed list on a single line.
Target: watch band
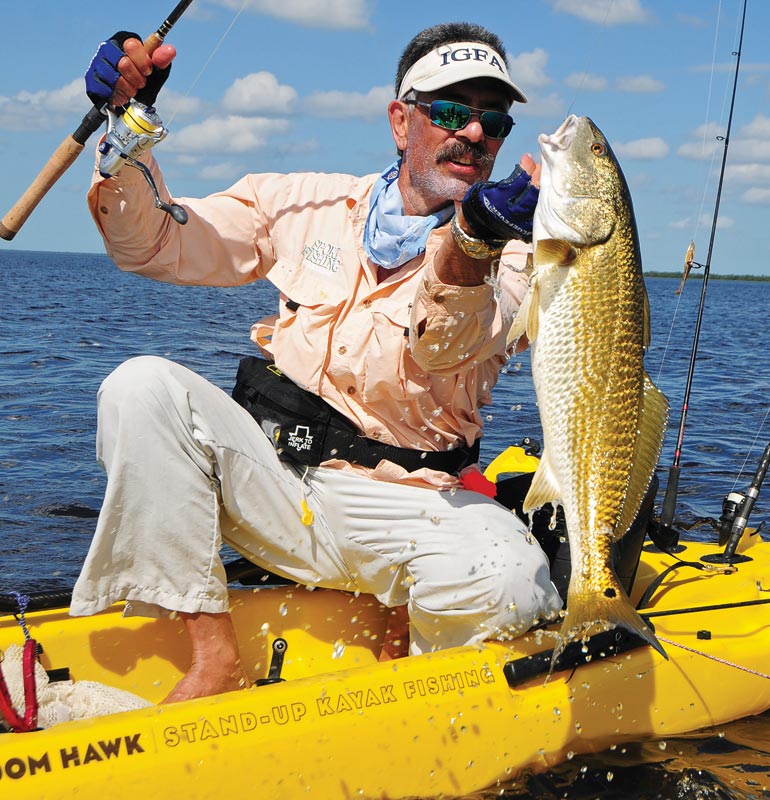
[(475, 248)]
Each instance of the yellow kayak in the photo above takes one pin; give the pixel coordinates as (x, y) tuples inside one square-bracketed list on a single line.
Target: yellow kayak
[(339, 724)]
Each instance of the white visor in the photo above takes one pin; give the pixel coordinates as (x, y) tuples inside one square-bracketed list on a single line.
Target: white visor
[(455, 62)]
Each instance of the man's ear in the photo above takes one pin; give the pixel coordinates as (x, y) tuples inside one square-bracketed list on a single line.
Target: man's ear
[(399, 123)]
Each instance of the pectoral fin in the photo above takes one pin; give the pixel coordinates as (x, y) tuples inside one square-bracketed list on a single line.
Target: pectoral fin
[(556, 252), (527, 317), (544, 488)]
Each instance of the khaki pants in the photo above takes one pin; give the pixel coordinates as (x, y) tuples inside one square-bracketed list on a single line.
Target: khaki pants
[(188, 468)]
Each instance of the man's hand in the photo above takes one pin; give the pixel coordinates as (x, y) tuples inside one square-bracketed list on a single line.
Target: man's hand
[(122, 69), (503, 210)]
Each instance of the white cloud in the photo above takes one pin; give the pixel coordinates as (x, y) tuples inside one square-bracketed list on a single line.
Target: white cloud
[(259, 93), (604, 12), (351, 105), (40, 110), (586, 81), (174, 104), (704, 222), (643, 84), (758, 127), (756, 196), (748, 173), (703, 150), (225, 171), (233, 134), (338, 14), (692, 21), (527, 70), (646, 149), (550, 105)]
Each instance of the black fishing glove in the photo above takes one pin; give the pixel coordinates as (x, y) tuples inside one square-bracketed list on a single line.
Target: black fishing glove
[(502, 210), (102, 73)]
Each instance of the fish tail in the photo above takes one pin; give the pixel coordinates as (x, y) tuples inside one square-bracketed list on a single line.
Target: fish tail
[(611, 609)]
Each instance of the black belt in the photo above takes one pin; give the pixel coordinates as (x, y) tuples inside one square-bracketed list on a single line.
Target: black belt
[(369, 453), (307, 431)]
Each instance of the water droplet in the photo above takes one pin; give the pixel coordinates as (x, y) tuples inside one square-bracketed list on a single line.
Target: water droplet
[(433, 348), (339, 649), (435, 519), (570, 755), (283, 609), (412, 544), (662, 745), (437, 412), (610, 776)]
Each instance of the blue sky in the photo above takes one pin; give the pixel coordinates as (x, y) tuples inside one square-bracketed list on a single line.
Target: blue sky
[(304, 84)]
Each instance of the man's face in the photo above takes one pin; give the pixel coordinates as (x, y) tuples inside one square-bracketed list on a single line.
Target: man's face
[(440, 164)]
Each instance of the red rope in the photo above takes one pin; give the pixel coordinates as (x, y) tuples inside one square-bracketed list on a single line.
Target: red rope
[(29, 722)]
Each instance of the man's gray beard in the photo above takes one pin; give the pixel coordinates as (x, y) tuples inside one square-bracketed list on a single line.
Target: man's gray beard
[(445, 188)]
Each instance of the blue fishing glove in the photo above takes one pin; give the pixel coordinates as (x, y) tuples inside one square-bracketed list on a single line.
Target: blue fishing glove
[(502, 210), (102, 73)]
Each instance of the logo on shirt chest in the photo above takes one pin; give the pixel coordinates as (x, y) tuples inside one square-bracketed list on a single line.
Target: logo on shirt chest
[(322, 256)]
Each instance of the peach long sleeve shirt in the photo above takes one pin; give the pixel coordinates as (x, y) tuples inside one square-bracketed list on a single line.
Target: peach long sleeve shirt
[(409, 359)]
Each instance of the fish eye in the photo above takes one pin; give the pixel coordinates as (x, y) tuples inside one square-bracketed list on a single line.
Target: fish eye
[(598, 149)]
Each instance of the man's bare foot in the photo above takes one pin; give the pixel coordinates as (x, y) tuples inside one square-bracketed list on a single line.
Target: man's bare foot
[(396, 642), (199, 682), (216, 663)]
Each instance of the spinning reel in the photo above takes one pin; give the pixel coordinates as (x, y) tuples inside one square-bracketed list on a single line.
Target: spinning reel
[(128, 136)]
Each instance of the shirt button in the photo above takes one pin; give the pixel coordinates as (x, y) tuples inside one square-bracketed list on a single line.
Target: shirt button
[(351, 390), (342, 350)]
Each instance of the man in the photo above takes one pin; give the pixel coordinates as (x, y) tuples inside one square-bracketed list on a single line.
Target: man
[(394, 309)]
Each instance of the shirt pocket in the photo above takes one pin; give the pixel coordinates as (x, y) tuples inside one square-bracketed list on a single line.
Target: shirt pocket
[(390, 371), (309, 305)]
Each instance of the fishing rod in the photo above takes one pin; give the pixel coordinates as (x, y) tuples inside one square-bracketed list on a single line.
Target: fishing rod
[(665, 531), (68, 151)]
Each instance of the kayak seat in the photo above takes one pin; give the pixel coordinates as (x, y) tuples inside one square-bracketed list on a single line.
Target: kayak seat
[(555, 542), (245, 572)]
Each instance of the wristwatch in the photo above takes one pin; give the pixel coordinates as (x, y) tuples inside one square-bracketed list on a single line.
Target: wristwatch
[(475, 248)]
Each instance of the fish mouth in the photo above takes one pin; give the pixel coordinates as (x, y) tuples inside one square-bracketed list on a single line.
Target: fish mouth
[(559, 141)]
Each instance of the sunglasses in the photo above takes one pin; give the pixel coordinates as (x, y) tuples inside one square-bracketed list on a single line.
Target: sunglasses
[(456, 116)]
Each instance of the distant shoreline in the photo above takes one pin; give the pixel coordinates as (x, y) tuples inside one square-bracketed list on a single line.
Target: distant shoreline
[(693, 276), (697, 276)]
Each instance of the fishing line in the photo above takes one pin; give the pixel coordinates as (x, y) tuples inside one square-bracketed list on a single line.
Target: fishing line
[(211, 56), (669, 501), (587, 72), (751, 447), (723, 661), (709, 174)]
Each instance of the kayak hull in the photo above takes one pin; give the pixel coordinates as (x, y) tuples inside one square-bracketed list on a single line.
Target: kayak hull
[(341, 724)]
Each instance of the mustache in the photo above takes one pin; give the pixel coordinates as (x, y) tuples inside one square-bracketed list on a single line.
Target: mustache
[(456, 150)]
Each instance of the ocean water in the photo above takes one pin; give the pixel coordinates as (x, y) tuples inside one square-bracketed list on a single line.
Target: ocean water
[(69, 319)]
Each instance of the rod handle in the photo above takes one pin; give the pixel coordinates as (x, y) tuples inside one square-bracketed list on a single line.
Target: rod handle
[(669, 500), (61, 160)]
